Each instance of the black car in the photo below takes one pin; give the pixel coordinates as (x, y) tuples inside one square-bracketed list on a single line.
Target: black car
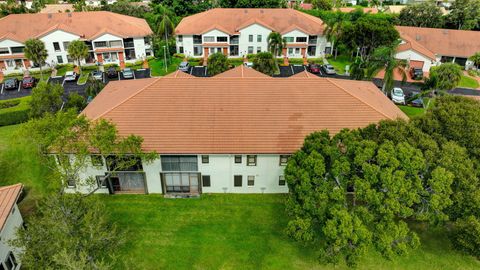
[(112, 73), (415, 99), (11, 84), (416, 73)]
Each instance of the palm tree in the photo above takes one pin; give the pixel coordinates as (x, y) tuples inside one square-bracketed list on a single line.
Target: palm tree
[(384, 58), (164, 19), (35, 51), (276, 43), (475, 59), (78, 50), (333, 32)]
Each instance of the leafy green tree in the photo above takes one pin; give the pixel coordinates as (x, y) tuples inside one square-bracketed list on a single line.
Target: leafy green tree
[(251, 3), (426, 14), (464, 14), (76, 102), (475, 59), (184, 8), (78, 50), (94, 87), (333, 31), (276, 43), (348, 193), (323, 4), (46, 98), (69, 232), (35, 51), (126, 8), (217, 63), (384, 58), (164, 20), (265, 63), (357, 69), (466, 235), (446, 76)]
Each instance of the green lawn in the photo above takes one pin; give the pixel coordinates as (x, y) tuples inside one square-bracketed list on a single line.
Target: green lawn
[(241, 232), (340, 63), (468, 82), (411, 111), (157, 66)]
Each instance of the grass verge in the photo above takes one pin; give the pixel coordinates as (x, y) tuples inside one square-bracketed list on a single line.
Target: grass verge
[(468, 82), (157, 66), (10, 115), (340, 63), (411, 111)]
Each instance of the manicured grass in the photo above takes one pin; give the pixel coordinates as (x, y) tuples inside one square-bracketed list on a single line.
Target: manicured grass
[(468, 82), (16, 114), (157, 66), (411, 111), (44, 76), (340, 63), (20, 163), (227, 231)]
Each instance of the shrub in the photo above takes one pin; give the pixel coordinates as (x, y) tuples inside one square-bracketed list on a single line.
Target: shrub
[(75, 101), (217, 63), (179, 55), (473, 73), (466, 235), (265, 63), (16, 114)]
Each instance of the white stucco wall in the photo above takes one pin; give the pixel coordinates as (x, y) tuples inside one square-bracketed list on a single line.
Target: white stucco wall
[(14, 221), (412, 55), (60, 37), (254, 29)]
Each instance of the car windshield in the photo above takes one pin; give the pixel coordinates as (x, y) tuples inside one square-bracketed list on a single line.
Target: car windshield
[(329, 67), (183, 64), (27, 79), (398, 92)]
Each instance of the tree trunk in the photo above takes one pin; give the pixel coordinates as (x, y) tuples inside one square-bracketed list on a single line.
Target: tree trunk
[(166, 44)]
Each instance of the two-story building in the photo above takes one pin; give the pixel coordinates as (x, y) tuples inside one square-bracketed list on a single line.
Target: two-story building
[(110, 37), (10, 221), (231, 133), (239, 32)]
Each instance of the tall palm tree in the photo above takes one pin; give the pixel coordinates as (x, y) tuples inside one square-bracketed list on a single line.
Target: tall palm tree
[(164, 19), (35, 51), (276, 43), (78, 50), (475, 59), (384, 58), (333, 32)]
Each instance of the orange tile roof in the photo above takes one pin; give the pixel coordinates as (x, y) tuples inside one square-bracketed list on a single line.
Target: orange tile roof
[(220, 44), (100, 50), (233, 114), (54, 8), (179, 74), (445, 42), (365, 10), (13, 56), (242, 72), (88, 25), (8, 198), (231, 20)]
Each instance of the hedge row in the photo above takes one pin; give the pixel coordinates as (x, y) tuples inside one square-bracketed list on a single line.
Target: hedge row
[(15, 114)]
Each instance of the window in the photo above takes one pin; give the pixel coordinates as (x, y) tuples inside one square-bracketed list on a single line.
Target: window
[(209, 39), (147, 40), (205, 159), (148, 52), (10, 262), (238, 159), (259, 49), (251, 160), (116, 43), (130, 54), (288, 39), (197, 50), (211, 50), (100, 44), (234, 40), (222, 39), (297, 50), (180, 38), (250, 49), (179, 163), (234, 50), (4, 50), (101, 181), (56, 46), (290, 51), (123, 163), (250, 38), (237, 180), (259, 38), (251, 180), (17, 49), (284, 160), (197, 39), (205, 180), (180, 49), (301, 39), (219, 50), (65, 45), (59, 59), (128, 43), (281, 180), (96, 160)]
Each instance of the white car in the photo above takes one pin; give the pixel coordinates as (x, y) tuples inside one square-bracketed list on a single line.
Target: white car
[(398, 96), (70, 76), (248, 64)]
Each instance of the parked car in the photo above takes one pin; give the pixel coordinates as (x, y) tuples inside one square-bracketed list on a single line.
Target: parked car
[(398, 96), (414, 99), (248, 64), (416, 73), (128, 73), (97, 75), (329, 69), (184, 66), (28, 82), (11, 84), (70, 76), (314, 68), (112, 73)]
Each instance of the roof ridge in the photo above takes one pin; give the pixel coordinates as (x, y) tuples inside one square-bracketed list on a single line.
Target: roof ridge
[(348, 92), (10, 186), (126, 99)]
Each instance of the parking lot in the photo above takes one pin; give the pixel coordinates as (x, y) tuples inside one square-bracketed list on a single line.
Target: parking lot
[(69, 86)]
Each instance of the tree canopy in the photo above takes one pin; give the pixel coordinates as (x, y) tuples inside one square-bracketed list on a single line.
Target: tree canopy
[(36, 52), (446, 76), (265, 63), (426, 14), (217, 63), (46, 98)]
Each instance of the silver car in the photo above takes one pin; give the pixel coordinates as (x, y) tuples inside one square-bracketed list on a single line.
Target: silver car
[(329, 69), (128, 73), (184, 66), (97, 75), (398, 96), (70, 76)]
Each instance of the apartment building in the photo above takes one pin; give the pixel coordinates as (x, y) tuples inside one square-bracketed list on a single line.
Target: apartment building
[(238, 32), (110, 37), (10, 221)]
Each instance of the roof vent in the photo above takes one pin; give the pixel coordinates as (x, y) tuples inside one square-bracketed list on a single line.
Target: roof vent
[(261, 11), (49, 15), (445, 31), (245, 11), (418, 37), (69, 14)]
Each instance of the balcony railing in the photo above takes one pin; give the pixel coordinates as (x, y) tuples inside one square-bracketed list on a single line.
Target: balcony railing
[(128, 44), (312, 41)]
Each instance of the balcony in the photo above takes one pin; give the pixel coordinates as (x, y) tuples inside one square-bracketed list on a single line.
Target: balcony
[(128, 44), (234, 40)]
